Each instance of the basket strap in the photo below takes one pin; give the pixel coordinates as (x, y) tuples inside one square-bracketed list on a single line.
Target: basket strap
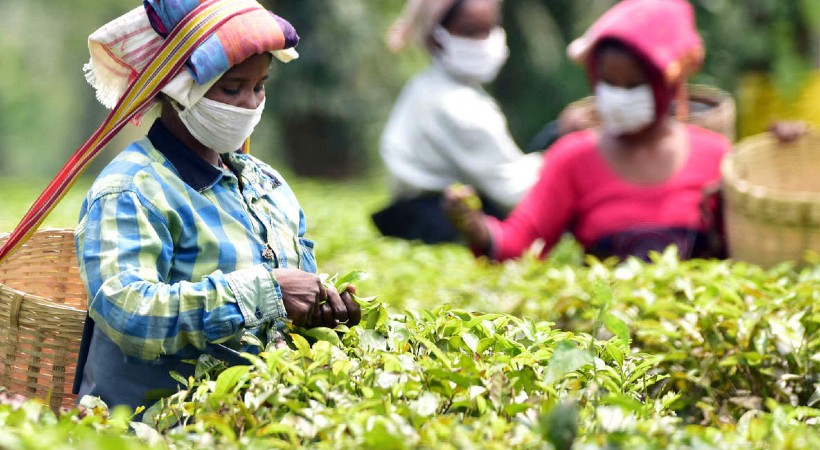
[(194, 28), (14, 310)]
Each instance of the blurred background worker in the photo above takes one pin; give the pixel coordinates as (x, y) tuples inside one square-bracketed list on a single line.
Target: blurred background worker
[(444, 128), (638, 182)]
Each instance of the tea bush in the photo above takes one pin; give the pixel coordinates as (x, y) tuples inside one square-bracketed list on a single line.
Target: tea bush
[(462, 353)]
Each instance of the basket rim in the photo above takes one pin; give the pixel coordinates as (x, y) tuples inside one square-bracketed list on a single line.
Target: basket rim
[(731, 177), (5, 234), (34, 298), (38, 299)]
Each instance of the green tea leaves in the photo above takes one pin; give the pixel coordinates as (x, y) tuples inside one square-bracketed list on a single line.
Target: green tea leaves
[(566, 358)]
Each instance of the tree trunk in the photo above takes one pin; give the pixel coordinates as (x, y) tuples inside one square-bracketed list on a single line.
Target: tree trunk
[(319, 145)]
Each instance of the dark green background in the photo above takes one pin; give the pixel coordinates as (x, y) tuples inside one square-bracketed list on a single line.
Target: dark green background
[(326, 109)]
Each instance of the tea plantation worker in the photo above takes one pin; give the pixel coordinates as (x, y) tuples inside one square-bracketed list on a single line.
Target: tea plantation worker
[(444, 128), (185, 243), (636, 183)]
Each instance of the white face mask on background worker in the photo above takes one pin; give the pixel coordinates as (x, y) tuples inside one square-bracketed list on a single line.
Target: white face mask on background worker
[(473, 60), (622, 110)]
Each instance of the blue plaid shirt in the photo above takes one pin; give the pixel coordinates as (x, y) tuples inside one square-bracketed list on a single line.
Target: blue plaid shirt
[(177, 256)]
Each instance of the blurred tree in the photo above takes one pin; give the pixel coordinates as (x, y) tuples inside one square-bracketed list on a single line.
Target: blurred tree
[(775, 40), (766, 52), (772, 36), (336, 96), (327, 109), (539, 80), (46, 108)]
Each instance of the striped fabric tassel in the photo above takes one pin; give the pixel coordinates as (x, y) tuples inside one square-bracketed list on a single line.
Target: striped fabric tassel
[(194, 29)]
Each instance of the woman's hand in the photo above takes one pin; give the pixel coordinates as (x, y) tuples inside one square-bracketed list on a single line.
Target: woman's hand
[(788, 131), (301, 292), (337, 309), (462, 205), (575, 118), (309, 304), (354, 311)]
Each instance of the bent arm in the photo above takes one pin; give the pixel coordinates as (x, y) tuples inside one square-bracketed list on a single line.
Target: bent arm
[(126, 254), (544, 213)]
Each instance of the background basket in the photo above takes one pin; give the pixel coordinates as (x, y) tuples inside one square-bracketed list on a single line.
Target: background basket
[(42, 311), (772, 199), (709, 107)]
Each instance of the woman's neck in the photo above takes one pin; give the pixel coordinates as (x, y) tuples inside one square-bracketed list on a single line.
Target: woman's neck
[(650, 156), (649, 135)]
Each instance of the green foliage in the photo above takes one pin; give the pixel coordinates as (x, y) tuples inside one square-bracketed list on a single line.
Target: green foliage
[(773, 36), (345, 73), (32, 426), (46, 107), (458, 353), (328, 107), (326, 110), (17, 196), (538, 80), (331, 103)]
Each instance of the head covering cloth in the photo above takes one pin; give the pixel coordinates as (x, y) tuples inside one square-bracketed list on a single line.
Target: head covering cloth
[(416, 20), (661, 33), (174, 46), (122, 48)]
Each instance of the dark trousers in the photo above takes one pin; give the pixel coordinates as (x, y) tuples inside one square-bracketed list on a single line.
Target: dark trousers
[(422, 218)]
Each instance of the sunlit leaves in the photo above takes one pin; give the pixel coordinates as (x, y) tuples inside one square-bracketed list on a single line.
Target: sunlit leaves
[(459, 353), (566, 358)]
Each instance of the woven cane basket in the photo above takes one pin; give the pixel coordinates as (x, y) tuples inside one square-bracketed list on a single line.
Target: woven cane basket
[(772, 199), (42, 311), (709, 107)]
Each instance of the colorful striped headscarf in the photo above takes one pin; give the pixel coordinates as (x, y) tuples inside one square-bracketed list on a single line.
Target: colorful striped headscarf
[(122, 48), (147, 50), (661, 33)]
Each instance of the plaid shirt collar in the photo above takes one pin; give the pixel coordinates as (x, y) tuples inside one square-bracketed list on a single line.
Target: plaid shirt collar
[(194, 171)]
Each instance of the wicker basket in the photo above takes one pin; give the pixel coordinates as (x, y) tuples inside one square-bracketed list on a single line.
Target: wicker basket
[(709, 107), (772, 196), (42, 312)]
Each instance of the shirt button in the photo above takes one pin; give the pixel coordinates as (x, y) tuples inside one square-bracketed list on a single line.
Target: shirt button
[(258, 313), (267, 253)]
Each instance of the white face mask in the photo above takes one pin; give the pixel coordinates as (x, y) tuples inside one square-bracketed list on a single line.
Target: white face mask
[(477, 60), (221, 127), (624, 111)]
